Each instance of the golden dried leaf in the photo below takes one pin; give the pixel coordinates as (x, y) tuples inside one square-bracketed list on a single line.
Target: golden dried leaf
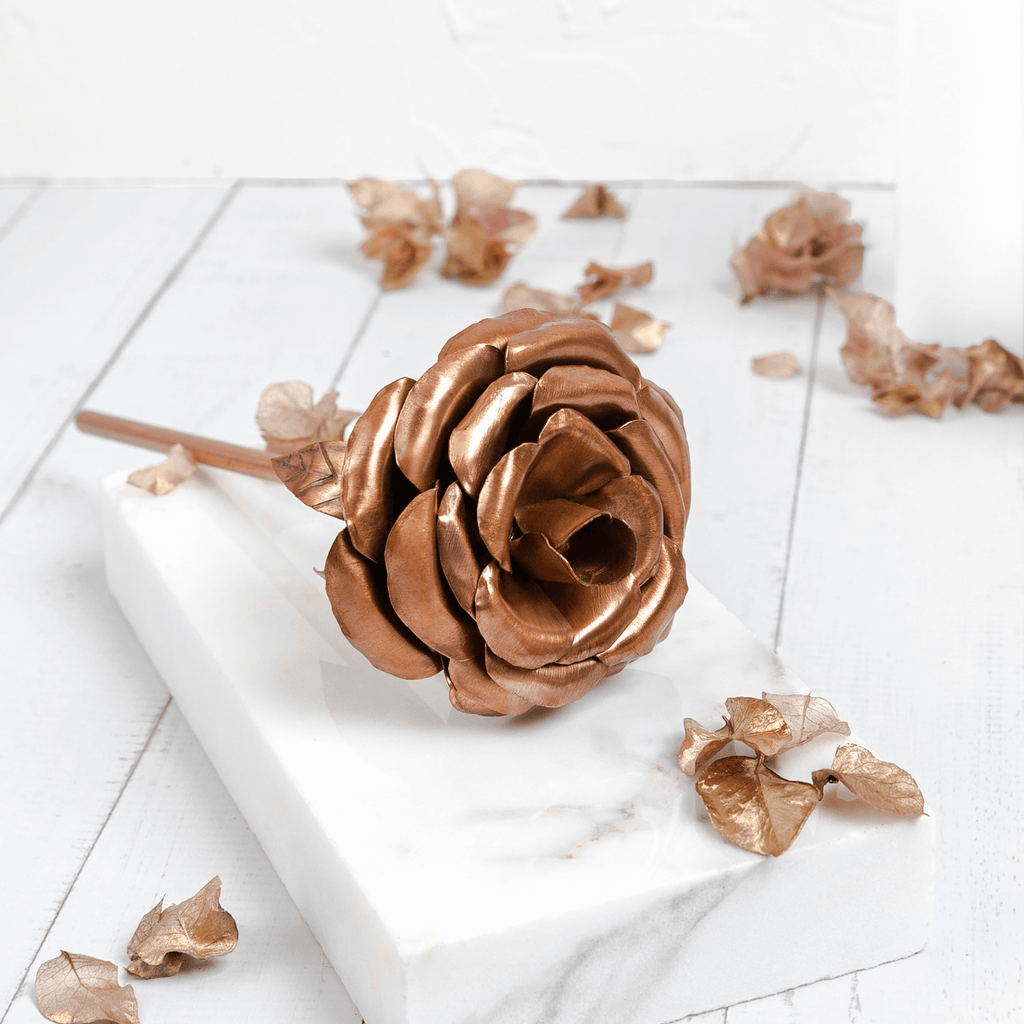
[(523, 296), (635, 330), (996, 377), (595, 201), (801, 244), (404, 249), (198, 927), (700, 745), (289, 420), (806, 715), (485, 232), (752, 807), (755, 722), (163, 477), (76, 989), (880, 783), (604, 281), (777, 365)]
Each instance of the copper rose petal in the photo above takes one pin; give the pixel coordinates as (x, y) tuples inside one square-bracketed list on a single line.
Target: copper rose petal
[(660, 598), (436, 403), (469, 679), (369, 463), (568, 342), (602, 552), (604, 398), (417, 588), (518, 621), (458, 547), (558, 519), (481, 439), (358, 596), (648, 458), (599, 615), (550, 686), (496, 330), (575, 458), (664, 416), (633, 500), (535, 556), (498, 499), (469, 706)]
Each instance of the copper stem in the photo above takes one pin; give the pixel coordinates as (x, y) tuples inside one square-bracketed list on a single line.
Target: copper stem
[(250, 461)]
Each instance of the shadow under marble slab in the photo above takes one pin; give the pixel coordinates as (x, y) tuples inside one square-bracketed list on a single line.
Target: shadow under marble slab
[(556, 867)]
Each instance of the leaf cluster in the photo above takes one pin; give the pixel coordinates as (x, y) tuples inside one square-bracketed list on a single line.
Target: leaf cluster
[(752, 806)]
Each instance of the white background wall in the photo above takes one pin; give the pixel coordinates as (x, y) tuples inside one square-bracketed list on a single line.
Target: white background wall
[(591, 89)]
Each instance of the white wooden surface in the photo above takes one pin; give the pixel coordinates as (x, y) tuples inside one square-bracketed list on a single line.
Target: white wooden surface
[(884, 558)]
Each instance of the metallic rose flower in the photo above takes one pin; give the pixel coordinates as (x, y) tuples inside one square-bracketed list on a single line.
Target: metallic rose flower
[(513, 518)]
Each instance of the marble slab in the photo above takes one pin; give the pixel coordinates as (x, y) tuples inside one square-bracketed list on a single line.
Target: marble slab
[(557, 867)]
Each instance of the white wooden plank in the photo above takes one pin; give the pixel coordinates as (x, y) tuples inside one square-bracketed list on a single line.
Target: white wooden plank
[(14, 201), (78, 270), (175, 828)]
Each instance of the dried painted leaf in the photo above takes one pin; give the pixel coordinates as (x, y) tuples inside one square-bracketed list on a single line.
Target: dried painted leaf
[(400, 225), (806, 715), (523, 296), (753, 807), (700, 745), (777, 365), (637, 331), (880, 783), (198, 927), (996, 377), (595, 201), (289, 420), (754, 722), (801, 244), (604, 281), (163, 477), (76, 989), (485, 233)]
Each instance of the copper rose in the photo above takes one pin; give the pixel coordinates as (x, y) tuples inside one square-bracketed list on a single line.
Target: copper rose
[(513, 518)]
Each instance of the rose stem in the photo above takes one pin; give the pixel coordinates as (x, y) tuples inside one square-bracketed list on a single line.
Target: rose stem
[(250, 461)]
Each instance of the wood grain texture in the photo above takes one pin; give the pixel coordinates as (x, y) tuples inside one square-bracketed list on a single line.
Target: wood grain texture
[(885, 555)]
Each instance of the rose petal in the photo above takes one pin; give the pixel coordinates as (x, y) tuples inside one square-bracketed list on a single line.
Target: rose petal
[(648, 458), (458, 547), (598, 615), (496, 331), (499, 497), (369, 466), (557, 519), (606, 399), (518, 620), (358, 594), (633, 500), (435, 404), (600, 553), (550, 686), (470, 680), (416, 585), (481, 438)]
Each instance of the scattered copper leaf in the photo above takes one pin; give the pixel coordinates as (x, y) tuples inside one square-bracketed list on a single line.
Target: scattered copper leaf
[(198, 927), (289, 420), (801, 244), (996, 377), (604, 281), (754, 808), (806, 715), (400, 226), (777, 365), (755, 722), (163, 477), (883, 785), (595, 201), (76, 989), (635, 330), (485, 232), (523, 296)]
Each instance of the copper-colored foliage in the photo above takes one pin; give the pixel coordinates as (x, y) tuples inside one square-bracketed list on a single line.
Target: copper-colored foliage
[(905, 375), (515, 515), (289, 420), (400, 226), (777, 365), (604, 281), (77, 989), (163, 477), (485, 232), (637, 331), (198, 927), (523, 296), (801, 244), (881, 784), (754, 808), (595, 201)]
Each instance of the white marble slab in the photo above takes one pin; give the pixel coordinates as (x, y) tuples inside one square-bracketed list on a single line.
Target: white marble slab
[(461, 870)]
